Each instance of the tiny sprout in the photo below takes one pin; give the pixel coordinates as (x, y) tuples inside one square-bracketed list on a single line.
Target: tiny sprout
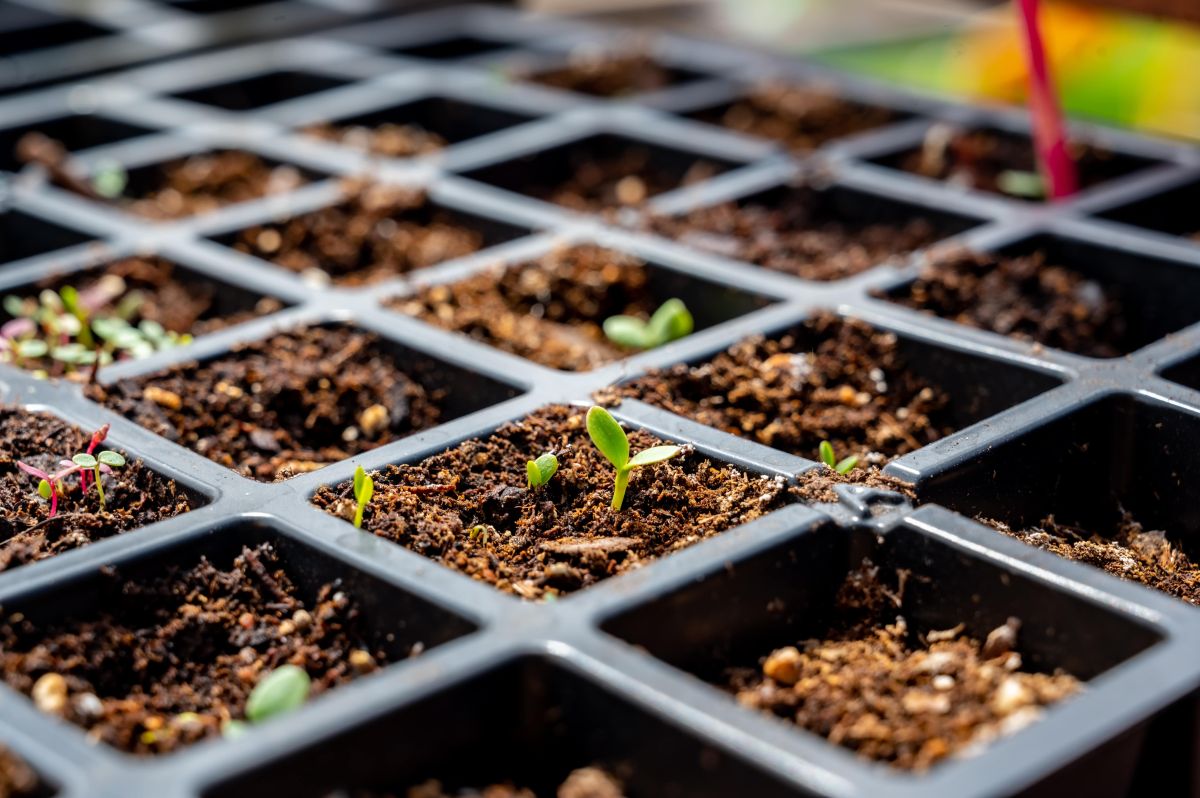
[(1028, 185), (282, 690), (829, 459), (364, 489), (541, 470), (612, 442), (110, 179), (105, 461), (672, 320)]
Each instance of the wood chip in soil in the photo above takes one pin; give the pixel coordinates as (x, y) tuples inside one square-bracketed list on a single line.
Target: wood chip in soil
[(163, 662), (564, 536), (802, 118), (134, 495), (1128, 551), (800, 234), (893, 694), (389, 139), (851, 386), (205, 182), (377, 233), (589, 782), (1022, 297), (282, 406), (550, 310), (17, 780), (607, 74)]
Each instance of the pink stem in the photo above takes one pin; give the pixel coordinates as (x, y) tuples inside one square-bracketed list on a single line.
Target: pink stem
[(97, 438), (1054, 162)]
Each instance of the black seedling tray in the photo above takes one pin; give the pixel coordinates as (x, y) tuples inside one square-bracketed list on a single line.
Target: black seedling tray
[(608, 675)]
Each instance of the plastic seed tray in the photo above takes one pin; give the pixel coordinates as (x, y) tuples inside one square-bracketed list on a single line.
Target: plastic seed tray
[(508, 688)]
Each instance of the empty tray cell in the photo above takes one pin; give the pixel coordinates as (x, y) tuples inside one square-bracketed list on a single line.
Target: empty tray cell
[(416, 128), (563, 536), (34, 528), (17, 779), (70, 133), (602, 73), (158, 653), (39, 37), (800, 117), (809, 232), (204, 182), (451, 48), (1171, 212), (23, 236), (552, 310), (999, 162), (1060, 292), (251, 93), (900, 648), (1108, 485), (601, 172), (869, 392), (299, 400), (583, 733), (380, 231), (133, 307)]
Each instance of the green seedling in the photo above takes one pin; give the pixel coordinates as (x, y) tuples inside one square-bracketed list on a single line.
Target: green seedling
[(843, 466), (541, 470), (1027, 185), (95, 463), (110, 179), (364, 489), (282, 690), (612, 442), (672, 320)]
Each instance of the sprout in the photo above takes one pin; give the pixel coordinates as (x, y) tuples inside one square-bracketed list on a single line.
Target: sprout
[(1027, 185), (612, 442), (829, 459), (95, 463), (541, 470), (50, 486), (672, 320), (110, 179), (364, 489), (282, 690)]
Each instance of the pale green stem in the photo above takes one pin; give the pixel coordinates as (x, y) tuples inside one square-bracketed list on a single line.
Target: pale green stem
[(358, 514), (100, 487), (619, 491)]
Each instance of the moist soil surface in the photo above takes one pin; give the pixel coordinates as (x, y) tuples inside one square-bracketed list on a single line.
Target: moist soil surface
[(289, 404), (169, 659), (802, 118), (851, 386), (378, 233), (550, 311), (1022, 297), (17, 780), (1129, 551), (388, 140), (590, 782), (893, 695), (208, 181), (795, 235), (976, 159), (817, 484), (469, 508), (602, 74), (134, 496)]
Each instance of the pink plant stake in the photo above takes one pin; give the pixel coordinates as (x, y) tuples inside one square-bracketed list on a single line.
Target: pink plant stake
[(1054, 162)]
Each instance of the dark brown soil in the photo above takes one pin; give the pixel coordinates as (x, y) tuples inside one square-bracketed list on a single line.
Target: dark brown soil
[(564, 536), (550, 310), (892, 695), (208, 181), (817, 484), (389, 139), (1022, 297), (626, 178), (1130, 552), (606, 74), (171, 658), (289, 404), (801, 118), (17, 780), (977, 158), (378, 233), (851, 387), (134, 496), (591, 782), (795, 235)]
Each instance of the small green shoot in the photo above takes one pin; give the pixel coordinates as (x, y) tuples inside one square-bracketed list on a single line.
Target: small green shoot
[(110, 179), (830, 459), (672, 320), (282, 690), (364, 489), (95, 463), (541, 470), (1027, 185), (612, 442)]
